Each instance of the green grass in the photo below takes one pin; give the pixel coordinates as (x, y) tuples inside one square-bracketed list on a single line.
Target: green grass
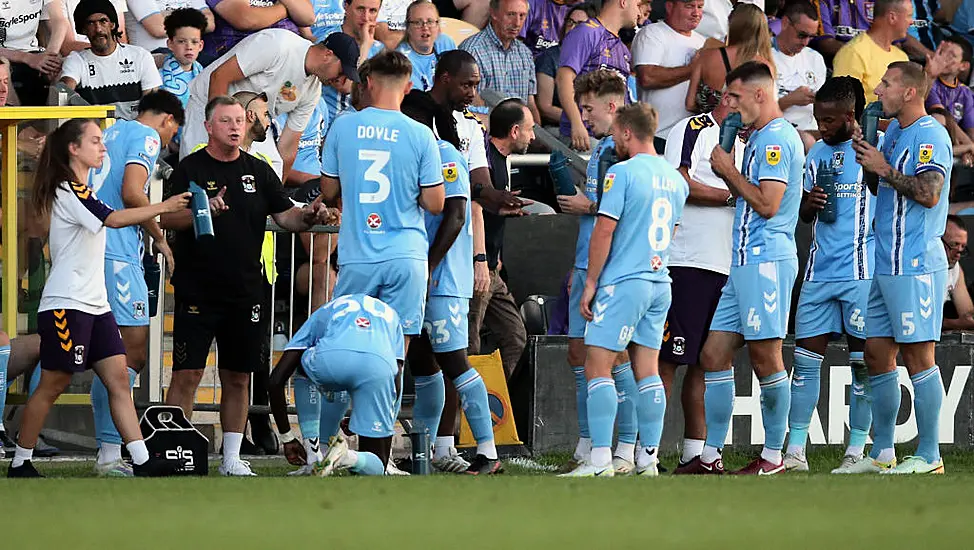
[(520, 509)]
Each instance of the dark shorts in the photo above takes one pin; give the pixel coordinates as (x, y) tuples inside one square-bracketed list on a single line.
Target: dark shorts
[(696, 293), (240, 335), (73, 341)]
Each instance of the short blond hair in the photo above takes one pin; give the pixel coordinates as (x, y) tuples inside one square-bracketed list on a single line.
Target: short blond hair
[(641, 118)]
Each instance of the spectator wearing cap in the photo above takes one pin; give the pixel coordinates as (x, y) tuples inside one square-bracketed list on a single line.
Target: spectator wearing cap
[(237, 19), (31, 68), (546, 66), (545, 23), (288, 69), (662, 54), (108, 73), (506, 64), (145, 21), (955, 241), (867, 56), (592, 45), (801, 70)]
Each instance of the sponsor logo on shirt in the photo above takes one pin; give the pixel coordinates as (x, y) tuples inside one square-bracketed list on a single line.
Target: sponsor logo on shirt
[(211, 186), (450, 172), (656, 263), (926, 152), (126, 66), (374, 221), (151, 145), (607, 183), (773, 154), (363, 322)]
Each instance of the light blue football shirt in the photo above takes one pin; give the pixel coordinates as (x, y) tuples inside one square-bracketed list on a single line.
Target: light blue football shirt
[(382, 159), (454, 275), (128, 142), (645, 195), (354, 322), (586, 222), (908, 233), (776, 153), (841, 250)]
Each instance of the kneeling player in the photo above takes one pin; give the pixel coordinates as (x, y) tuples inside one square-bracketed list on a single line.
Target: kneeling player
[(835, 291), (443, 342), (353, 343), (627, 288)]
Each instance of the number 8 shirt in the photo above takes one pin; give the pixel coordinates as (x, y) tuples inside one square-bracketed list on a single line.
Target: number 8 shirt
[(634, 287)]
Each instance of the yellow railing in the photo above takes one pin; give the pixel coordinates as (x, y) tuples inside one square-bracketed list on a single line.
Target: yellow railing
[(10, 117)]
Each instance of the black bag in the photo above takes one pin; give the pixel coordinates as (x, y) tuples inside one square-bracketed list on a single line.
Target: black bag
[(169, 434)]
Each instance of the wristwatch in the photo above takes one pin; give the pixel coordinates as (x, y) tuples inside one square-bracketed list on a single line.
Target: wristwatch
[(731, 200), (480, 258)]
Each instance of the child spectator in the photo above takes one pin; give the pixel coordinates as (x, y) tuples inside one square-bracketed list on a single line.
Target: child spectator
[(185, 28)]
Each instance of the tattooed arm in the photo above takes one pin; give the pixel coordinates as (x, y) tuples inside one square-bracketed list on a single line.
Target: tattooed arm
[(924, 188)]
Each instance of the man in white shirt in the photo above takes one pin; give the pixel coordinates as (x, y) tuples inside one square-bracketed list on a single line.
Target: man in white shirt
[(145, 17), (700, 258), (288, 69), (662, 53), (109, 73), (801, 70)]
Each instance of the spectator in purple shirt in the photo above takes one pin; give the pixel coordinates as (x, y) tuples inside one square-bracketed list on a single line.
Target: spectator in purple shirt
[(237, 19), (546, 18), (948, 92), (841, 21), (592, 45)]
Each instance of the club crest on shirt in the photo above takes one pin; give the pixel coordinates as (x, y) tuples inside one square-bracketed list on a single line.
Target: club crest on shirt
[(838, 160), (773, 154), (607, 183), (450, 172), (249, 183), (958, 110), (288, 92), (926, 153)]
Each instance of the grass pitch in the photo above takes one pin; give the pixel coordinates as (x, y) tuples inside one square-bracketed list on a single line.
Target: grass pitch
[(520, 509)]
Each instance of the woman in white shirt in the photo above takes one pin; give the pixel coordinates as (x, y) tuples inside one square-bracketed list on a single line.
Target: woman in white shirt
[(75, 322)]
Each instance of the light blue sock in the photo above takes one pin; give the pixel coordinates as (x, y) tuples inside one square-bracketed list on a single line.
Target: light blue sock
[(804, 395), (307, 403), (105, 431), (428, 408), (35, 380), (928, 396), (602, 405), (368, 465), (718, 399), (885, 392), (626, 389), (473, 399), (860, 410), (581, 400), (651, 406), (775, 404), (4, 359), (334, 405)]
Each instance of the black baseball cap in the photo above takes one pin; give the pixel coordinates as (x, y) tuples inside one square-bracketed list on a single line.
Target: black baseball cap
[(347, 50)]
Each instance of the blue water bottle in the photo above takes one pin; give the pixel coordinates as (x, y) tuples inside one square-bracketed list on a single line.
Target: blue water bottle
[(825, 179), (200, 203), (729, 130), (870, 122), (561, 174)]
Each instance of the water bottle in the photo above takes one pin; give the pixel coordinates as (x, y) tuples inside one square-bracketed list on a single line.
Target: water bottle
[(200, 203), (421, 445), (561, 174), (728, 131), (825, 179), (152, 271), (606, 160), (870, 122)]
